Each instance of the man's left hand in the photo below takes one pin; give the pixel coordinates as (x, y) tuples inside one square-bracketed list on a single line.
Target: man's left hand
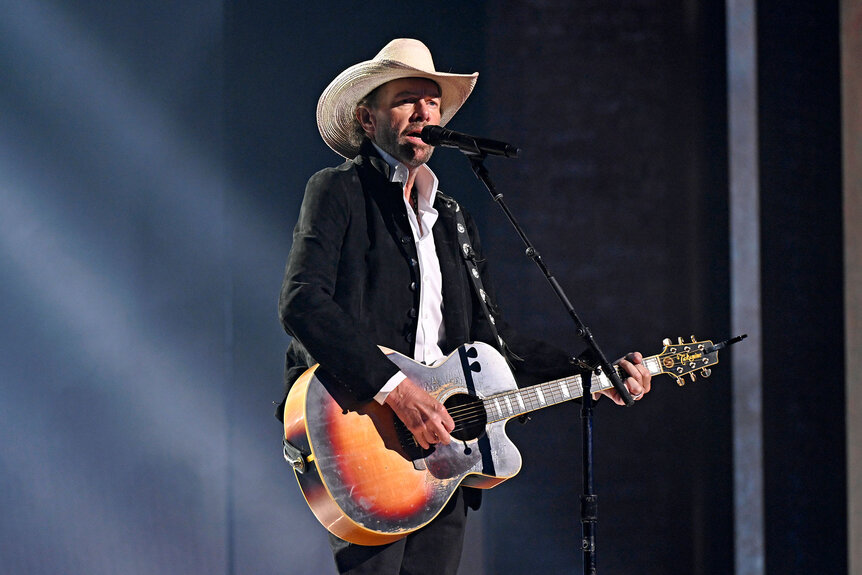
[(638, 382)]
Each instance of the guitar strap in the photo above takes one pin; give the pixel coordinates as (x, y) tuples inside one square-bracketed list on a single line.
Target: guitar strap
[(297, 458), (468, 255)]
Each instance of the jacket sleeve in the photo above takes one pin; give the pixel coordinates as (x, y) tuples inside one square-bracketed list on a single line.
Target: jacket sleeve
[(352, 366)]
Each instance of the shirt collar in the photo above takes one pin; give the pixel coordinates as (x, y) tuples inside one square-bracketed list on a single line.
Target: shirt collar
[(426, 181)]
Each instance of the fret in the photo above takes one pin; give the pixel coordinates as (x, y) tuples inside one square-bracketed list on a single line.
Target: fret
[(520, 401), (532, 402), (497, 405), (575, 384), (601, 382), (653, 365)]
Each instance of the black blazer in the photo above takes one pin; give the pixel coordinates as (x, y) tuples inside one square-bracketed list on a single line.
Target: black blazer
[(352, 283)]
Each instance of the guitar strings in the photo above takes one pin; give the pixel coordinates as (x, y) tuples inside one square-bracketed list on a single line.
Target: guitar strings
[(550, 389), (478, 412), (474, 413)]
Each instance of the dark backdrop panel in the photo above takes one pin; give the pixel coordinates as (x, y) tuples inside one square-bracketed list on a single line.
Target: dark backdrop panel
[(804, 430), (620, 110)]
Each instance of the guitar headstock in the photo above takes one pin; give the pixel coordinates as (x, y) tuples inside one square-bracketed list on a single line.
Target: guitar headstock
[(685, 358)]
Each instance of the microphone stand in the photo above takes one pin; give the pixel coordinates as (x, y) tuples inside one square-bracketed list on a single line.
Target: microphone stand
[(588, 498)]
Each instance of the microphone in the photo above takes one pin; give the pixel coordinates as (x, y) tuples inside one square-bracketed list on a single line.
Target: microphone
[(439, 136)]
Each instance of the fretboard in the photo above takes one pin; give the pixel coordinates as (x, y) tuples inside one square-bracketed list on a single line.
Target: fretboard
[(524, 400)]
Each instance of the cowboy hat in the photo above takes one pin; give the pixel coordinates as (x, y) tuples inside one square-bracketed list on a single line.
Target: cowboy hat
[(400, 58)]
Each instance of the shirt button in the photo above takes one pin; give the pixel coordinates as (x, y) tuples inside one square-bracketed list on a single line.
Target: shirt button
[(412, 286), (413, 313), (405, 240)]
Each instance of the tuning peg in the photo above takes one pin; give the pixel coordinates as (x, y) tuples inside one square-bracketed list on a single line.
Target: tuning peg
[(680, 381), (693, 339), (680, 340), (666, 341), (705, 372), (692, 376)]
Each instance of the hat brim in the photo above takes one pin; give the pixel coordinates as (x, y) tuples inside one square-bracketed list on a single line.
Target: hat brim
[(337, 104)]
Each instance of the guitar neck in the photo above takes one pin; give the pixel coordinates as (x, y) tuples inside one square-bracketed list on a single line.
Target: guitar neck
[(528, 399)]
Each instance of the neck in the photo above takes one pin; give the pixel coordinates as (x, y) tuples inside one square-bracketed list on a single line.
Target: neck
[(412, 170), (411, 179)]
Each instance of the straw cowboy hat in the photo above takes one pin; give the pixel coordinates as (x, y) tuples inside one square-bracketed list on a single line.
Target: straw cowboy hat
[(400, 58)]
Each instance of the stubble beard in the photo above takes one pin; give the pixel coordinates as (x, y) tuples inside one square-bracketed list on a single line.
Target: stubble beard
[(405, 152)]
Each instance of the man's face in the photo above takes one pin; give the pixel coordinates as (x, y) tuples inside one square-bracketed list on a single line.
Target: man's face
[(400, 110)]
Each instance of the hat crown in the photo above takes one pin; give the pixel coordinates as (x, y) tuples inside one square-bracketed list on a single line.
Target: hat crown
[(408, 52)]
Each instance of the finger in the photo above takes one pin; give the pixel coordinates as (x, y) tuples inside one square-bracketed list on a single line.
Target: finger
[(445, 438), (637, 362), (614, 396), (646, 378), (420, 439), (630, 368), (636, 388), (442, 424), (635, 381), (643, 377), (446, 418), (440, 435)]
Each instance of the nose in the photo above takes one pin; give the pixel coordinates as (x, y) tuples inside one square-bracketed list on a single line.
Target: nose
[(421, 111)]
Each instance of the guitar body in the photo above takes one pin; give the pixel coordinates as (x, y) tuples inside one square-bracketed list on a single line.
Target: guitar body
[(367, 481)]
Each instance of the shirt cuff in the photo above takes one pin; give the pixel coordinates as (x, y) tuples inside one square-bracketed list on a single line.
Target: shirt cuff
[(389, 386)]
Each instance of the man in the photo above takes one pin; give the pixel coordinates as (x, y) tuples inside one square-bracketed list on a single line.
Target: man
[(376, 260)]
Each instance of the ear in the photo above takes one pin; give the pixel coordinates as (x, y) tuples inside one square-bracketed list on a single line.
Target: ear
[(366, 120)]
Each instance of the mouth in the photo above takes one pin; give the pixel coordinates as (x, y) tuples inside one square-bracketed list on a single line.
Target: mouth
[(415, 134)]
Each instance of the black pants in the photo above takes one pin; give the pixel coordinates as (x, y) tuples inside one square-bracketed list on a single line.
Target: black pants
[(433, 550)]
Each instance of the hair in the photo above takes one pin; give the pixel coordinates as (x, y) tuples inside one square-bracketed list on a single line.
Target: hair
[(357, 135)]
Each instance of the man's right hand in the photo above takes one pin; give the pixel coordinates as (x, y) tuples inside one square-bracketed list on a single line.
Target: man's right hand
[(424, 416)]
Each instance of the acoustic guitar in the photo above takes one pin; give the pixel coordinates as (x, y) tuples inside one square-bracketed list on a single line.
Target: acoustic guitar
[(367, 480)]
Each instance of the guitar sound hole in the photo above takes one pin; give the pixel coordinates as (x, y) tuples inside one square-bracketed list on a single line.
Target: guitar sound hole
[(468, 412)]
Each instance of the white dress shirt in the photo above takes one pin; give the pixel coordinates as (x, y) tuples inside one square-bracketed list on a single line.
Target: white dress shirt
[(429, 330)]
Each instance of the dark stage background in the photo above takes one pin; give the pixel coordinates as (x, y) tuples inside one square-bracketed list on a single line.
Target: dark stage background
[(153, 157)]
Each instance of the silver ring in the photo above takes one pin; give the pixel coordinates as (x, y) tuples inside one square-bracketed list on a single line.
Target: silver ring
[(638, 396)]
